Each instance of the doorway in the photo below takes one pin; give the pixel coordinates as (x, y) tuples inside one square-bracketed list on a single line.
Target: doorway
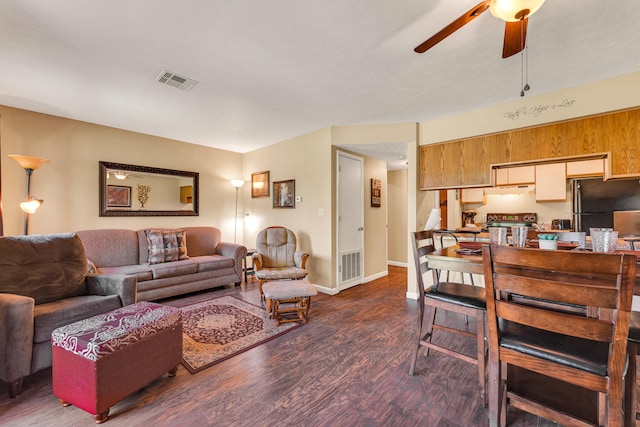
[(350, 214), (443, 209)]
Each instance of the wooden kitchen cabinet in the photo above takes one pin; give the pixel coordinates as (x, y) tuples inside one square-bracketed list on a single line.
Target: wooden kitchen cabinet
[(466, 162), (516, 175), (585, 168), (453, 165), (472, 195), (186, 194), (551, 182)]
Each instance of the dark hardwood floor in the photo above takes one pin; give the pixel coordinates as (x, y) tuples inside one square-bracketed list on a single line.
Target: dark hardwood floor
[(348, 366)]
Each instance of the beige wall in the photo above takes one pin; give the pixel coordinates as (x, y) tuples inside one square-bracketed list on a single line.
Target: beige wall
[(69, 184), (397, 212), (375, 221), (307, 159), (606, 95)]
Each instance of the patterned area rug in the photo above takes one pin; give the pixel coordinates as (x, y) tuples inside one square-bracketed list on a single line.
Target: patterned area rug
[(220, 328)]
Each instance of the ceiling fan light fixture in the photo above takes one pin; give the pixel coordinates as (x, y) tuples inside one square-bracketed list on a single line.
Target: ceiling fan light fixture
[(120, 175), (514, 10)]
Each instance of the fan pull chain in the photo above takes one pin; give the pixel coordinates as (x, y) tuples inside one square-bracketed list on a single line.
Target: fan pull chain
[(522, 73), (524, 59)]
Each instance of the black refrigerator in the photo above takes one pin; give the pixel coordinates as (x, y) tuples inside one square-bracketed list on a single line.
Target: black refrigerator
[(595, 200)]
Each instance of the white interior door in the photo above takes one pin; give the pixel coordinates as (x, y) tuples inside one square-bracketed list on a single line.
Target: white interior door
[(350, 220)]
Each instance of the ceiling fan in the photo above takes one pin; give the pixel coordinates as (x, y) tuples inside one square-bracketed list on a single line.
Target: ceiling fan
[(515, 13)]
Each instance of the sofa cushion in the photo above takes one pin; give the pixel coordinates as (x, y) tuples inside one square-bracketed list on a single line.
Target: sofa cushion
[(166, 245), (44, 267), (110, 247), (213, 262), (172, 269), (52, 315), (142, 272), (202, 240)]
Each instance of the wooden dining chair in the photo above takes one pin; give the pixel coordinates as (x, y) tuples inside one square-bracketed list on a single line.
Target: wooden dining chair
[(563, 318), (632, 381), (454, 297)]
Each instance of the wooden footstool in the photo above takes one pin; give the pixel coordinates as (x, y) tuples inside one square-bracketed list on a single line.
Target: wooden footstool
[(294, 294), (101, 360)]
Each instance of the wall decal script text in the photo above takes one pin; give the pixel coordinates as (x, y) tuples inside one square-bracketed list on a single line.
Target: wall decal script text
[(538, 110)]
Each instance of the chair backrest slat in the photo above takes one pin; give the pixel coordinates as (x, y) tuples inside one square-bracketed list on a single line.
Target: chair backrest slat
[(558, 322), (422, 244), (564, 261), (600, 293)]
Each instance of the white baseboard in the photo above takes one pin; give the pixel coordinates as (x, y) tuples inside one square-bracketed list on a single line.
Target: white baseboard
[(398, 264), (412, 295), (380, 275), (325, 290)]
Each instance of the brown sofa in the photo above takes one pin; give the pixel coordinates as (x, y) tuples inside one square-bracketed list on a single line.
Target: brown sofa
[(44, 284), (196, 259)]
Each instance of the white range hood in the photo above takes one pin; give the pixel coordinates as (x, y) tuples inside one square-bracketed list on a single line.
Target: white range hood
[(510, 189)]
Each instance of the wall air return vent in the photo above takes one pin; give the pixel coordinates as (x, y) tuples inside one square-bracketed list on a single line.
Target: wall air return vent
[(172, 79)]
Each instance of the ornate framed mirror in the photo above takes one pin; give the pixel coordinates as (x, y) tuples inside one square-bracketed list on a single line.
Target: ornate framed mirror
[(131, 190)]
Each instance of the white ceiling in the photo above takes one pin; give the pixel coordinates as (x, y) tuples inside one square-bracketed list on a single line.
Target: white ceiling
[(272, 70)]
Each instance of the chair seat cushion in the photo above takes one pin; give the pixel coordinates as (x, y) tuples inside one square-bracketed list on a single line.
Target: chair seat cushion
[(281, 273), (288, 289), (575, 352), (458, 293)]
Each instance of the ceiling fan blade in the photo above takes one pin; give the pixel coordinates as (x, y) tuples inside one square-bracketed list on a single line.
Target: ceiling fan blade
[(469, 16), (515, 37)]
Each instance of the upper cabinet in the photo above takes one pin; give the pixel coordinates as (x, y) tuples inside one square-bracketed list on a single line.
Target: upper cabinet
[(468, 162), (551, 182), (453, 164), (585, 168), (472, 195), (515, 175)]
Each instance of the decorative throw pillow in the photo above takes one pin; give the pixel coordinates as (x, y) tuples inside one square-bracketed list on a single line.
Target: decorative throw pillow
[(156, 246), (166, 245), (170, 245), (182, 244)]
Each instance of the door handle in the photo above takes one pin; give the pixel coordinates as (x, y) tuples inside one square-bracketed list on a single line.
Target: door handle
[(360, 228)]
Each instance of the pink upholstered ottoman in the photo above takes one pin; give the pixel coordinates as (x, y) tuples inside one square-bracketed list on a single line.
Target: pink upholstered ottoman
[(101, 360)]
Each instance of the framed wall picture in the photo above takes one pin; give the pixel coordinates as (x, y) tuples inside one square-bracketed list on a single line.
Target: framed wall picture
[(376, 192), (118, 196), (284, 194), (260, 184)]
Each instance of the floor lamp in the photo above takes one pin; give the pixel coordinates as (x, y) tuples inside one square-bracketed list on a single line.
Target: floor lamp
[(237, 183), (31, 204)]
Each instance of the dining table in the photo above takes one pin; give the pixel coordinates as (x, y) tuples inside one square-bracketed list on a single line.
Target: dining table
[(459, 259)]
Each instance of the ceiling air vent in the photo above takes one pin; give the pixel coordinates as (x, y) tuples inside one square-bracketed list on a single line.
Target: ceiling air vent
[(172, 79)]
